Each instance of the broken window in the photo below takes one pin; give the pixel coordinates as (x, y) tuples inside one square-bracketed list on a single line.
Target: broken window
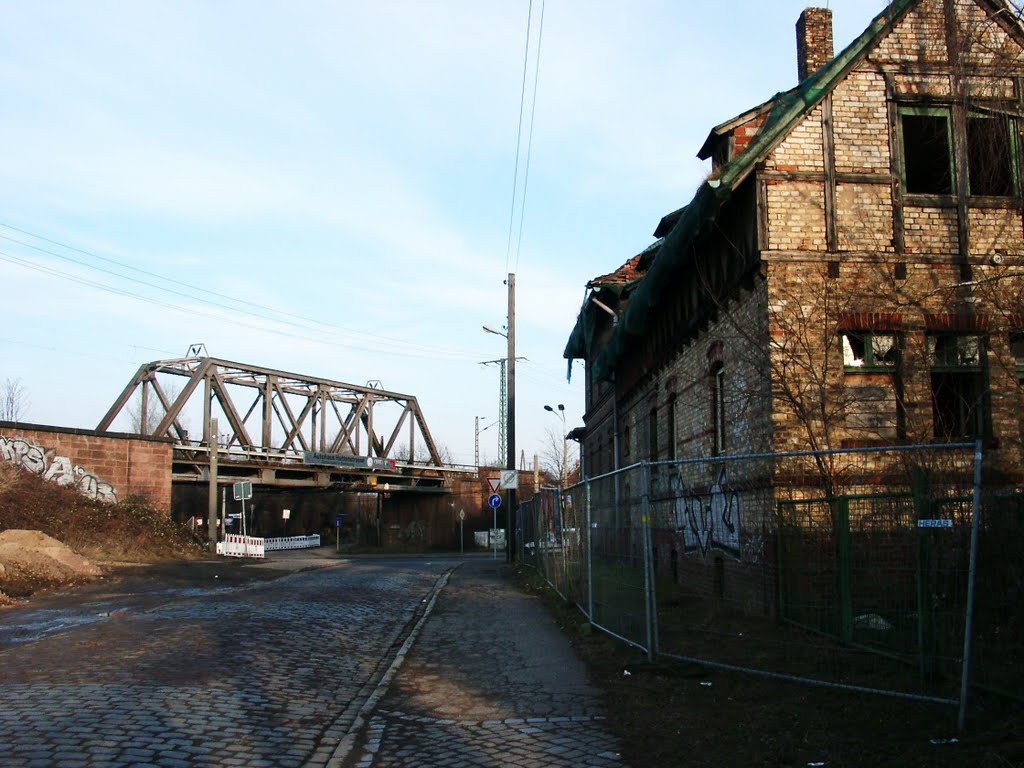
[(957, 385), (869, 350), (990, 156), (873, 402), (927, 156)]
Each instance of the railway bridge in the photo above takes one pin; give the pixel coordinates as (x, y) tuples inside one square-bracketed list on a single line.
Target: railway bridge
[(281, 429)]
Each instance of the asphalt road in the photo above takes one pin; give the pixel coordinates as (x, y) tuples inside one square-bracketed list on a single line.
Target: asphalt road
[(368, 662)]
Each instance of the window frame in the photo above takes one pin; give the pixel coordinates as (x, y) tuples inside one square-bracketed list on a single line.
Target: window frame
[(1017, 338), (960, 375), (717, 374), (917, 111), (870, 364), (1013, 149)]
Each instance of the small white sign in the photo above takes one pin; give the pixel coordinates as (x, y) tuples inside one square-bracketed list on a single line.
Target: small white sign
[(509, 479), (493, 484), (462, 514), (286, 513)]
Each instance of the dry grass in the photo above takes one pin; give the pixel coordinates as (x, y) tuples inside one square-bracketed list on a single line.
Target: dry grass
[(673, 714), (128, 531)]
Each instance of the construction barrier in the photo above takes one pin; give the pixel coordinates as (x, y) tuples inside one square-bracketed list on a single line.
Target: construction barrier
[(292, 542), (235, 545)]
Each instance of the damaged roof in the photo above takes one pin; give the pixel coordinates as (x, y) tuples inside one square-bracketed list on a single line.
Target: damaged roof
[(686, 225)]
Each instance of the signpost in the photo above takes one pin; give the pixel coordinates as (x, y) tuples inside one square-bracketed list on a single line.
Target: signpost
[(494, 501), (243, 491), (462, 525)]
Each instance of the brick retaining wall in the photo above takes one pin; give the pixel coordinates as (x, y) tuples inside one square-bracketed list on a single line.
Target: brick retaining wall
[(103, 465)]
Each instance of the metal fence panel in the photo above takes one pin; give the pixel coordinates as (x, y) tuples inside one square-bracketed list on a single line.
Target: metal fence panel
[(847, 567)]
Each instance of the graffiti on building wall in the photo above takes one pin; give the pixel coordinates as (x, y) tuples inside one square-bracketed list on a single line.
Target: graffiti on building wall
[(55, 469), (707, 521)]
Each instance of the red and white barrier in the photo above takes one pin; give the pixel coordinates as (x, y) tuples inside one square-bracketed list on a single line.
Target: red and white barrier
[(292, 542), (235, 545)]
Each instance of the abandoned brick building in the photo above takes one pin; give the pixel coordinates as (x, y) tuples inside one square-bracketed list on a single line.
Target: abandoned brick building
[(850, 272)]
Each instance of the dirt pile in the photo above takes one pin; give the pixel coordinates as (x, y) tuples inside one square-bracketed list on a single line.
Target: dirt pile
[(45, 525), (31, 559)]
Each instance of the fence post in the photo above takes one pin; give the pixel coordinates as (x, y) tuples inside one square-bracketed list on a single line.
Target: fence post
[(925, 601), (971, 574), (842, 507), (646, 547), (590, 549)]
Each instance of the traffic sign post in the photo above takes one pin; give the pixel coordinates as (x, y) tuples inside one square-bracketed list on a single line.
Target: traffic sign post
[(462, 525), (494, 501)]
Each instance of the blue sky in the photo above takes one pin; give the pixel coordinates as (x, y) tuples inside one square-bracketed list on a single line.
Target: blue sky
[(351, 164)]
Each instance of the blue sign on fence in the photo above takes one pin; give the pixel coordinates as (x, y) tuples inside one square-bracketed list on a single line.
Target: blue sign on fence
[(934, 523)]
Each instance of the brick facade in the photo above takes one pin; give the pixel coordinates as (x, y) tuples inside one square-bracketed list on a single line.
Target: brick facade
[(824, 234), (103, 465)]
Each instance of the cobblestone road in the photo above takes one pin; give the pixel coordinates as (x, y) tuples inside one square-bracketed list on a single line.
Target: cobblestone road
[(369, 663)]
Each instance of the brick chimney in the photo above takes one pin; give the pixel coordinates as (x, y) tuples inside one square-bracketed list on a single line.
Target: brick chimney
[(813, 41)]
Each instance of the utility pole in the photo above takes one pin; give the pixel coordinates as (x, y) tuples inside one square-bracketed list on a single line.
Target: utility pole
[(211, 511), (511, 456)]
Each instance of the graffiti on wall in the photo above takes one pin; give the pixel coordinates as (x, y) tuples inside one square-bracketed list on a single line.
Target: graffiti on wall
[(55, 469), (707, 521)]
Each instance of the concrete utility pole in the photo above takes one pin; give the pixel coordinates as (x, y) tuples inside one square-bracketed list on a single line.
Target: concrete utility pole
[(211, 517), (511, 456)]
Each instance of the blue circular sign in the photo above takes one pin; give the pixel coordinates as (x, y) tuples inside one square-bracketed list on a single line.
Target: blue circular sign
[(494, 501)]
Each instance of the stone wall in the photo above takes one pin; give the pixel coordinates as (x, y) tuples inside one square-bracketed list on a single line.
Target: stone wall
[(102, 465)]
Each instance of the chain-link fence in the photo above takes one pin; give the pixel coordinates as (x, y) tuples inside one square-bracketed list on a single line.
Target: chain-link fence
[(849, 568)]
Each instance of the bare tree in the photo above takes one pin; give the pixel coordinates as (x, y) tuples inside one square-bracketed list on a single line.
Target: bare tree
[(557, 456), (14, 400)]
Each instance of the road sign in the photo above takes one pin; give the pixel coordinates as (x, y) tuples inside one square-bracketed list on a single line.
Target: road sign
[(493, 484), (462, 514), (494, 501), (509, 479), (286, 513), (242, 489)]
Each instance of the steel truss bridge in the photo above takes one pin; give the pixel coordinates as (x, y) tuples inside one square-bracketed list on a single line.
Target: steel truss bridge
[(281, 429)]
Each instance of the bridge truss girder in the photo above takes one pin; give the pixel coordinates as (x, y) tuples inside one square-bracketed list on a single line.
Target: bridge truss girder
[(270, 414)]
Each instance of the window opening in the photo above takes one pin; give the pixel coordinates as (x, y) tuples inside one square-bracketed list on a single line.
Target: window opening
[(671, 416), (718, 407), (1017, 348), (990, 154), (957, 407), (927, 159), (652, 433), (867, 350)]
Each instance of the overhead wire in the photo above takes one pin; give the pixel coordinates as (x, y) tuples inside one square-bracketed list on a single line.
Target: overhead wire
[(519, 136), (529, 143), (298, 322), (196, 311)]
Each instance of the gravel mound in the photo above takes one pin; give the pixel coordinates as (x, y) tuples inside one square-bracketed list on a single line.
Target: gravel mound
[(33, 558)]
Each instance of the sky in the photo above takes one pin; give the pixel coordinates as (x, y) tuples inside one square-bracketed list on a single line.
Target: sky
[(332, 188)]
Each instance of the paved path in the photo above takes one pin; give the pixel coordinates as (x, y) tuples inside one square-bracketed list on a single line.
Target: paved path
[(383, 663)]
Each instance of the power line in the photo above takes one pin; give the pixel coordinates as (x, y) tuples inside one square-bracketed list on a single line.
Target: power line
[(315, 327), (519, 136), (298, 321), (529, 143), (194, 311)]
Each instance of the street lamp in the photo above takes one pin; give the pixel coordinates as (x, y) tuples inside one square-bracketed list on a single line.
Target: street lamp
[(565, 451)]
